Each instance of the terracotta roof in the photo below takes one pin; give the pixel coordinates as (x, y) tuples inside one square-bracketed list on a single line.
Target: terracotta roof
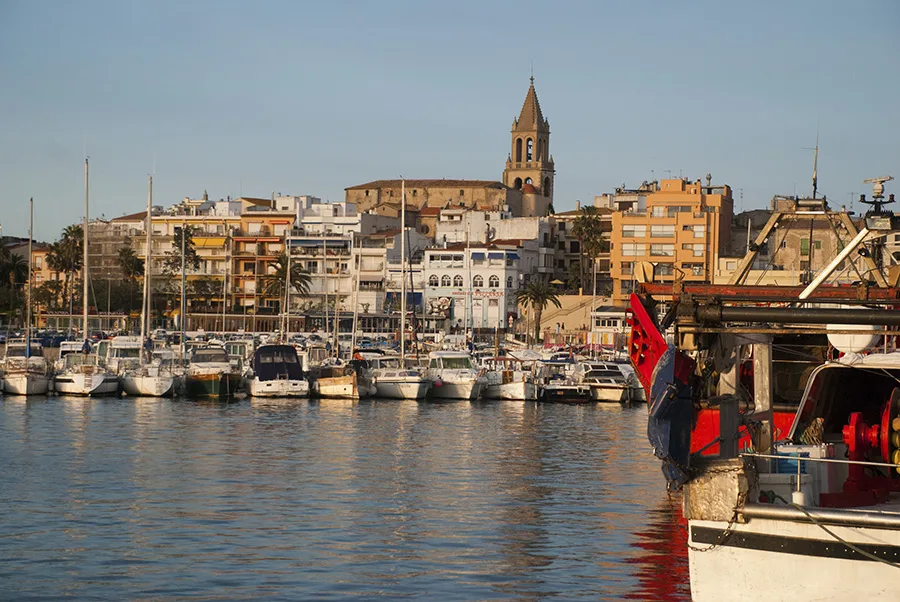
[(131, 218), (530, 117), (429, 211), (436, 183), (577, 212), (384, 233), (509, 242)]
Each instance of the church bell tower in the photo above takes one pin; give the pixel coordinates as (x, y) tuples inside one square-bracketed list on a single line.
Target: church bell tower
[(529, 167)]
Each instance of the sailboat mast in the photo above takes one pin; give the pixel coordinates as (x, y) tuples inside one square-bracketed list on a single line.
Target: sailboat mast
[(145, 302), (287, 293), (84, 258), (30, 263), (402, 273), (325, 286), (356, 296)]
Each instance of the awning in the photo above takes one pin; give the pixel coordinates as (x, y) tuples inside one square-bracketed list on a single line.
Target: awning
[(495, 255), (512, 256), (478, 256)]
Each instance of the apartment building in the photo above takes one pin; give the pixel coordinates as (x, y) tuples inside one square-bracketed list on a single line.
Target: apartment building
[(678, 226)]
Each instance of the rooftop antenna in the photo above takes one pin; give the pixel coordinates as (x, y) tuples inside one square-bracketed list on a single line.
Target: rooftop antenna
[(532, 71)]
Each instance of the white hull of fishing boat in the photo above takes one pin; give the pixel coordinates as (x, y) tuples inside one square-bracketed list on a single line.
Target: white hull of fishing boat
[(515, 391), (26, 384), (401, 387), (456, 390), (337, 386), (783, 559), (96, 384), (143, 385), (278, 388)]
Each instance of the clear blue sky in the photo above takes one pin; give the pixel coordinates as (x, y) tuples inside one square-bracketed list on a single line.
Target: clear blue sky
[(309, 98)]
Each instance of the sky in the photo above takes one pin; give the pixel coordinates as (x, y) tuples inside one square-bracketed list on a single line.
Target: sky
[(250, 98)]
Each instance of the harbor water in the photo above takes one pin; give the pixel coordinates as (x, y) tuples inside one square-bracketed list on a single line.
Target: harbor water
[(322, 500)]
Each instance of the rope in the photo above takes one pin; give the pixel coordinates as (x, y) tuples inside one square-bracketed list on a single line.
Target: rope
[(853, 547)]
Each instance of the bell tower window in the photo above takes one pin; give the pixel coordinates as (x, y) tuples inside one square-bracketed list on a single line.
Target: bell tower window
[(518, 184), (529, 150), (518, 150)]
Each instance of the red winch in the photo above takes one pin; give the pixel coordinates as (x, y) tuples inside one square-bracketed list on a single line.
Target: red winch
[(883, 440)]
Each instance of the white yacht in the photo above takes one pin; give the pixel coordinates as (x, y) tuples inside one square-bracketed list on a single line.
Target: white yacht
[(277, 372), (607, 381), (26, 371), (79, 371), (392, 381), (453, 376)]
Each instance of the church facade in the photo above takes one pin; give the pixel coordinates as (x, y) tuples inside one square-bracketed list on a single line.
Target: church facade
[(526, 189)]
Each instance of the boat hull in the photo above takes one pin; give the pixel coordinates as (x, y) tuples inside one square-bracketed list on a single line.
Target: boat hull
[(278, 388), (518, 391), (212, 386), (138, 385), (464, 390), (611, 393), (402, 389), (89, 385), (26, 384), (759, 558), (566, 395), (337, 386)]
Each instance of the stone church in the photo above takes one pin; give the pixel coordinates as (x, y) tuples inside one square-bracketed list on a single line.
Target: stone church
[(526, 189)]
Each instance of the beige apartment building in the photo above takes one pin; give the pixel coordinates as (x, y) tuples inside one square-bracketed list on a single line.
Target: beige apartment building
[(678, 226)]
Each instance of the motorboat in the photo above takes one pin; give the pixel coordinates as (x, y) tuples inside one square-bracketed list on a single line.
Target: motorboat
[(509, 378), (277, 372), (607, 381), (453, 376), (558, 383), (26, 371), (211, 374), (158, 376), (340, 379), (392, 381), (79, 371)]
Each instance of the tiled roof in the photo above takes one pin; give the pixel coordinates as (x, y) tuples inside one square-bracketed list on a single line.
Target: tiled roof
[(424, 211), (131, 218), (437, 183), (530, 116), (384, 233)]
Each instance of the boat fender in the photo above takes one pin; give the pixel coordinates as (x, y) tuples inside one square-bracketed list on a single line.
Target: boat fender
[(438, 383)]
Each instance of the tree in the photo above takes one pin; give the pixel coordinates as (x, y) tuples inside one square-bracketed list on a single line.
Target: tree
[(131, 264), (66, 256), (273, 283), (587, 229), (538, 294), (14, 271), (47, 295), (172, 261)]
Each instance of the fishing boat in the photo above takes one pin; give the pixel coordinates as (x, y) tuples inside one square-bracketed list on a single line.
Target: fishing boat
[(210, 374), (277, 372), (606, 381), (81, 370), (508, 378), (558, 383), (25, 370), (813, 513), (453, 376)]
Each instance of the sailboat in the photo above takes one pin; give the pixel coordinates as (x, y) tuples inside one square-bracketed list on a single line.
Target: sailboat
[(27, 372), (153, 376), (82, 373), (397, 381)]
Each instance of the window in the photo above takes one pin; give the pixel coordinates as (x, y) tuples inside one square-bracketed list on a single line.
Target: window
[(478, 281), (676, 209), (509, 282), (529, 149), (627, 287), (658, 211), (494, 282), (462, 192), (699, 231), (664, 231), (433, 280), (694, 269), (632, 249), (730, 265), (574, 247), (38, 262), (659, 250), (445, 280), (632, 231), (696, 249), (804, 265), (627, 268), (458, 281)]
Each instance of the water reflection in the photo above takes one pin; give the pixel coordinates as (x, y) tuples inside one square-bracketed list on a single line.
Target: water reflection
[(298, 499)]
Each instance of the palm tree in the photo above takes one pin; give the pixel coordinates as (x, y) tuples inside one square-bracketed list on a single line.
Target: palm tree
[(587, 229), (131, 264), (66, 256), (539, 295), (273, 283)]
